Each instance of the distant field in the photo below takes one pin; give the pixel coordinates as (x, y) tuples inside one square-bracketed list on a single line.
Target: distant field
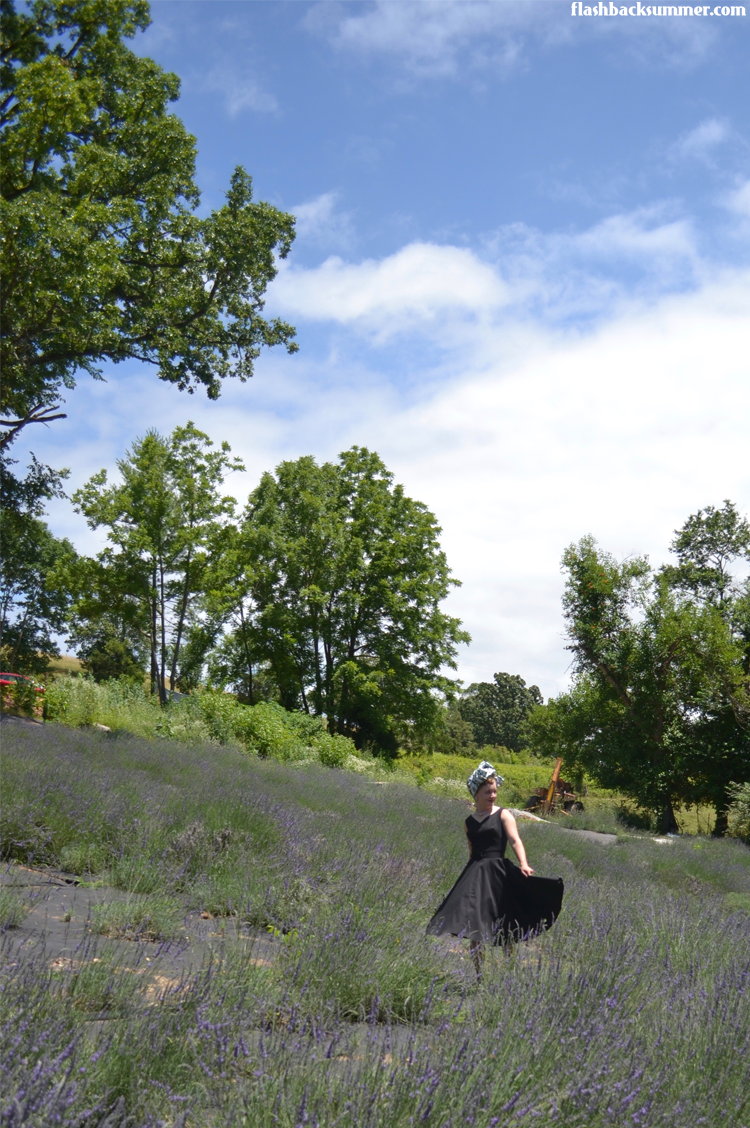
[(633, 1010), (65, 664)]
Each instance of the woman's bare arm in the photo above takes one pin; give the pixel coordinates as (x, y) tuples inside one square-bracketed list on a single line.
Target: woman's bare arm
[(514, 838)]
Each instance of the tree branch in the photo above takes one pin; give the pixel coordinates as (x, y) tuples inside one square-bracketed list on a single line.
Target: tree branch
[(36, 415)]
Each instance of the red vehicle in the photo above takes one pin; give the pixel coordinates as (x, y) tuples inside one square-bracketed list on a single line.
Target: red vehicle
[(21, 696)]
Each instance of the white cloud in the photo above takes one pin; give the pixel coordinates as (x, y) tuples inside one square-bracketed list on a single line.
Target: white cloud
[(428, 37), (446, 38), (700, 143), (622, 434), (739, 200), (524, 422), (320, 223), (240, 91), (563, 273), (528, 443), (416, 284)]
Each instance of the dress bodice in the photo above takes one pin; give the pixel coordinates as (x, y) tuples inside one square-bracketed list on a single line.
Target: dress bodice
[(488, 838)]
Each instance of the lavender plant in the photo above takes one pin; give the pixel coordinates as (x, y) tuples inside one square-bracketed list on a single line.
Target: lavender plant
[(633, 1011)]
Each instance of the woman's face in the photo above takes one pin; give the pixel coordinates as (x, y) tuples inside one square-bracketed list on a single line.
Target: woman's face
[(486, 795)]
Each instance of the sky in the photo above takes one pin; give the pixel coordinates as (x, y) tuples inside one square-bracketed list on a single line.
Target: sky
[(521, 274)]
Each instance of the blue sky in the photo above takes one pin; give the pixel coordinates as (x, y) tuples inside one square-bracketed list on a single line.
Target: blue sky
[(522, 275)]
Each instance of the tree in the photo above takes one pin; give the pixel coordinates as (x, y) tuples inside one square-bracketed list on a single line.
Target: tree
[(650, 666), (166, 521), (497, 710), (34, 594), (105, 257), (346, 580), (708, 548), (34, 570)]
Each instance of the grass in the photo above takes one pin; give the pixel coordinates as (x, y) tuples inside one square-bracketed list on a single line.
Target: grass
[(13, 909), (634, 1010), (64, 666), (153, 917)]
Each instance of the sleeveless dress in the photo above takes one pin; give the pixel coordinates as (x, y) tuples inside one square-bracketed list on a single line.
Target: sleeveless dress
[(492, 901)]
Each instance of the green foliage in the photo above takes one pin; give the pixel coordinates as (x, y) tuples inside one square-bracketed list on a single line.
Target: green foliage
[(497, 710), (265, 729), (23, 698), (451, 735), (105, 255), (739, 811), (165, 522), (333, 749), (658, 708), (106, 658), (34, 592), (346, 576), (97, 986)]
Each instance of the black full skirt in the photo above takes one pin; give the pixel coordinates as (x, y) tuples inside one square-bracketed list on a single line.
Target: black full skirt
[(492, 902)]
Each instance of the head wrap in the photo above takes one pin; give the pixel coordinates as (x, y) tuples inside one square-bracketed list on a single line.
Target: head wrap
[(480, 775)]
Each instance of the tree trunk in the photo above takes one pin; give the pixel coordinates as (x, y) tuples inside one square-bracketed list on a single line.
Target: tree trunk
[(154, 660), (248, 660), (17, 647), (667, 823), (722, 822), (163, 656), (180, 624)]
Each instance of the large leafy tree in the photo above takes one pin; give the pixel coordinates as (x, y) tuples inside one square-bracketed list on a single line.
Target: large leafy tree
[(34, 594), (35, 569), (497, 710), (708, 548), (653, 670), (166, 521), (105, 257), (346, 582)]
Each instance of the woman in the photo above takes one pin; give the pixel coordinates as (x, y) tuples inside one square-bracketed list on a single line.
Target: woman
[(494, 901)]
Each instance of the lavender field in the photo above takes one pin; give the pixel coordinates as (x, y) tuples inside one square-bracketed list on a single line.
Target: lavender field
[(312, 997)]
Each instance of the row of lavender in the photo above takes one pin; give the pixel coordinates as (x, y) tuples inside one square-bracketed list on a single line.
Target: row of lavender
[(634, 1010)]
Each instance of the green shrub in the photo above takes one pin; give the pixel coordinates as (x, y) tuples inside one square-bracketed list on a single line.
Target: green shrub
[(263, 729), (739, 811), (333, 750)]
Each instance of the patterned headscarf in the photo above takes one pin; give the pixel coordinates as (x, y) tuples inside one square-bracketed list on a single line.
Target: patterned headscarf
[(480, 775)]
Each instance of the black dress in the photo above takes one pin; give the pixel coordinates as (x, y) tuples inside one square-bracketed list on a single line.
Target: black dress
[(492, 901)]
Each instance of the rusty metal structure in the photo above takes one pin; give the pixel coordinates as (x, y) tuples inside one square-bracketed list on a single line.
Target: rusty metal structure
[(558, 796)]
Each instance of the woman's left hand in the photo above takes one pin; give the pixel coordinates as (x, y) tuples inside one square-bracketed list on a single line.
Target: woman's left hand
[(526, 870)]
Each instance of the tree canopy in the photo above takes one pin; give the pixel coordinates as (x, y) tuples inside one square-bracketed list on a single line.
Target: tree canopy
[(105, 257), (347, 576), (659, 702), (497, 710), (165, 523)]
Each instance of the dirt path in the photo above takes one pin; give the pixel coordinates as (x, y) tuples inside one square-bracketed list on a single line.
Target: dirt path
[(58, 927)]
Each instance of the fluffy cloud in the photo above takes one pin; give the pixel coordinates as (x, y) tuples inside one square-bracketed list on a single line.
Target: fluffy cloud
[(525, 422), (700, 143), (522, 271), (240, 91), (447, 38), (414, 285), (320, 223), (738, 201)]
